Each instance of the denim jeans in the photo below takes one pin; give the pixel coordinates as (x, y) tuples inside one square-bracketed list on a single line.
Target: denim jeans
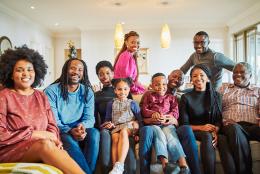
[(84, 152), (190, 147), (186, 138), (166, 143), (145, 148), (105, 153), (207, 151)]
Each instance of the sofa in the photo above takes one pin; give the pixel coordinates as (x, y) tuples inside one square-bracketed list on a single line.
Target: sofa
[(28, 168), (155, 167), (255, 150)]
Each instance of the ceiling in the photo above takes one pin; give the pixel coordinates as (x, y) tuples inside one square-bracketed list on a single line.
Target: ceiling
[(71, 15)]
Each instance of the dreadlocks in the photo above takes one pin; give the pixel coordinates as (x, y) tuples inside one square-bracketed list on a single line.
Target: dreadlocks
[(64, 79)]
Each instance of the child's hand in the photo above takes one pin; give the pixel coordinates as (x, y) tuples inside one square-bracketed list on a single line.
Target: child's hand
[(107, 125), (158, 117)]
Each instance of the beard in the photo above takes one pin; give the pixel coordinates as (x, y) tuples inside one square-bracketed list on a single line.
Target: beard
[(74, 82)]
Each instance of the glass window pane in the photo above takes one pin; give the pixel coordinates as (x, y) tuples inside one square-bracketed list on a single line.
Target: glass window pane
[(240, 48), (258, 59), (251, 51)]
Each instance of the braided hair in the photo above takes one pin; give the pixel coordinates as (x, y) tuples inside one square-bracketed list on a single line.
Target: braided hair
[(64, 79), (215, 104)]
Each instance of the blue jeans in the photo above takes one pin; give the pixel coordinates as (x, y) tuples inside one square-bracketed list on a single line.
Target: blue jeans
[(145, 148), (85, 152), (186, 138), (166, 143), (207, 151), (190, 147), (105, 151)]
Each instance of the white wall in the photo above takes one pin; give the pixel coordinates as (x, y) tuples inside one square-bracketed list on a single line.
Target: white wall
[(22, 31), (99, 45), (60, 44), (243, 21)]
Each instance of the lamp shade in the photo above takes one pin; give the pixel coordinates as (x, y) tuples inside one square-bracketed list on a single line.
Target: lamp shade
[(119, 36), (165, 36)]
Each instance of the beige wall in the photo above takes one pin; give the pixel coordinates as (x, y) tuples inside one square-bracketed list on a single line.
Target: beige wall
[(98, 45), (22, 31)]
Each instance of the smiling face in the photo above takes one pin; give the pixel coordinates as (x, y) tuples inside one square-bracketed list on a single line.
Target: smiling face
[(199, 79), (122, 90), (176, 79), (23, 75), (241, 76), (75, 72), (201, 43), (105, 75), (132, 43), (159, 85)]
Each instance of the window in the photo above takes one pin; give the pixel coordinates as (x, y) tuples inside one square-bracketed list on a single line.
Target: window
[(247, 49), (257, 68), (239, 48)]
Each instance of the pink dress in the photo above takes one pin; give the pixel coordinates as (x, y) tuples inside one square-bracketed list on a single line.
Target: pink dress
[(126, 67), (20, 115)]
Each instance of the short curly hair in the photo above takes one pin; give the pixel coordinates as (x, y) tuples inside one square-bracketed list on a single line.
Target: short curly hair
[(104, 63), (12, 56)]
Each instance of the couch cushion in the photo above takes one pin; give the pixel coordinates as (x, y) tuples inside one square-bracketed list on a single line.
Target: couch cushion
[(28, 168)]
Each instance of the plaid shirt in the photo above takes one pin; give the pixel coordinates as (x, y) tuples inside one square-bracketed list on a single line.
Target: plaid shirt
[(240, 104)]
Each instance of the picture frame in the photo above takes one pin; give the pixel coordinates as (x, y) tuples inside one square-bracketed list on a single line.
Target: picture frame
[(5, 44), (67, 52), (142, 61)]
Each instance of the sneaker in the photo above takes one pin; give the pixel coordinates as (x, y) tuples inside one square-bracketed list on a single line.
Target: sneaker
[(171, 169), (118, 168), (184, 170)]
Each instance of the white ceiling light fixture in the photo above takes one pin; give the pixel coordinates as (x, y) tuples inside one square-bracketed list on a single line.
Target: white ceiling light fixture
[(165, 36), (119, 36)]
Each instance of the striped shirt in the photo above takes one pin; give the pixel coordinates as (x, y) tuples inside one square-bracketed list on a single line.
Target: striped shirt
[(240, 104)]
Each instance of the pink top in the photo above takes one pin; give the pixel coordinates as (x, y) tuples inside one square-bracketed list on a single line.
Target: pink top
[(126, 67), (165, 105), (20, 115)]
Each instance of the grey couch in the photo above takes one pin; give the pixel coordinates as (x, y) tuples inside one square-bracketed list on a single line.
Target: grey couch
[(157, 169), (255, 150)]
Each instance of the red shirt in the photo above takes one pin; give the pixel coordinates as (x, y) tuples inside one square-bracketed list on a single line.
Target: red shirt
[(165, 105)]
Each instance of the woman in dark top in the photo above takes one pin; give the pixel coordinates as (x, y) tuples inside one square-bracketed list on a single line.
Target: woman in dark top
[(201, 108), (104, 70)]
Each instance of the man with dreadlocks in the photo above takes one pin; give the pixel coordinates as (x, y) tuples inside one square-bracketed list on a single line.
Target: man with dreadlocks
[(72, 102)]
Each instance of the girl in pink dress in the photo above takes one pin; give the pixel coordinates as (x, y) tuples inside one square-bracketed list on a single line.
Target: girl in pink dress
[(126, 62), (28, 131)]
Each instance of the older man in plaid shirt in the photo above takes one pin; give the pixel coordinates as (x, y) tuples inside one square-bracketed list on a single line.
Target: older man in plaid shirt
[(241, 111)]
